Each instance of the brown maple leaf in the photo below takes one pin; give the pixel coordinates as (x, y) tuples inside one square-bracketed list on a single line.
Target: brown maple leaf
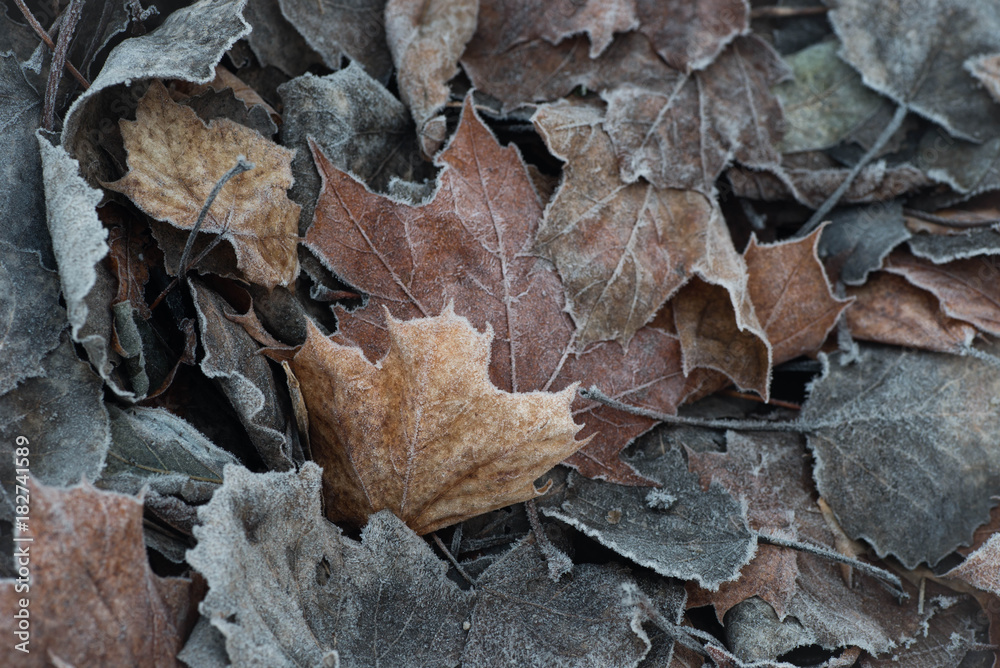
[(175, 160), (471, 244), (94, 601), (424, 432)]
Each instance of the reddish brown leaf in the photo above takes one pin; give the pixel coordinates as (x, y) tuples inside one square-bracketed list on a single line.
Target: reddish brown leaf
[(689, 35), (423, 432), (175, 160), (131, 253), (471, 245), (890, 309), (93, 599)]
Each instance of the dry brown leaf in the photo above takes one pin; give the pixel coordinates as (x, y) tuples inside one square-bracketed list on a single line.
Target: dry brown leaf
[(890, 309), (471, 245), (622, 250), (426, 39), (424, 432), (174, 162), (688, 34), (599, 19), (93, 599)]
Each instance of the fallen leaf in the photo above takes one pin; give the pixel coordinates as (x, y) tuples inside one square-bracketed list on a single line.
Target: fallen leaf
[(555, 21), (471, 245), (287, 588), (691, 35), (426, 40), (175, 160), (677, 530), (903, 449), (334, 28), (449, 444), (943, 248), (275, 41), (859, 238), (94, 601), (986, 69), (968, 167), (914, 58), (131, 252), (529, 620), (686, 131), (889, 309)]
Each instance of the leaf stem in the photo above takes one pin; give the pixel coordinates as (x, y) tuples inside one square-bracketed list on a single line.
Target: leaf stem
[(44, 36), (452, 559), (70, 18)]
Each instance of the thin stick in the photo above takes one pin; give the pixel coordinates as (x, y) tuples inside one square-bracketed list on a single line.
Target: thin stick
[(820, 214), (780, 403), (70, 18), (950, 222), (739, 425), (44, 36), (559, 564), (785, 12), (887, 579), (452, 559)]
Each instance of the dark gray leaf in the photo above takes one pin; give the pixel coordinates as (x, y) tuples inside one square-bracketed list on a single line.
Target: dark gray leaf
[(359, 125), (915, 52), (355, 28), (906, 448), (212, 104), (286, 588), (754, 632), (970, 168), (99, 23), (275, 41), (31, 315), (232, 359), (861, 237), (523, 618), (942, 248), (701, 536), (153, 447)]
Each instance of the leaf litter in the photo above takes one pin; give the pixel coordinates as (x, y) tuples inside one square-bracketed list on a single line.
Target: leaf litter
[(495, 204)]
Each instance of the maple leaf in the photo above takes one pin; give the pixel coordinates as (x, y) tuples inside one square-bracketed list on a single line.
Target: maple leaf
[(423, 432), (94, 599), (471, 245), (175, 160)]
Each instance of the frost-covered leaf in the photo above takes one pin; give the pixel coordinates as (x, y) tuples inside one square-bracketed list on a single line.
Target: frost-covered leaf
[(987, 70), (287, 588), (942, 248), (684, 132), (337, 28), (968, 167), (677, 530), (860, 237), (231, 358), (426, 40), (906, 449), (424, 432), (688, 34), (526, 619), (471, 244), (174, 162), (94, 601), (275, 41), (153, 447), (360, 126), (98, 25)]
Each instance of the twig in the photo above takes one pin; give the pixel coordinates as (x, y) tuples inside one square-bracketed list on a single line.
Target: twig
[(773, 12), (44, 36), (820, 214), (950, 222), (70, 18), (452, 559), (559, 564), (780, 403)]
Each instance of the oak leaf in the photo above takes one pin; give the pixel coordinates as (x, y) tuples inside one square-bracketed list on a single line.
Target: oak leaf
[(471, 244), (175, 160), (424, 432)]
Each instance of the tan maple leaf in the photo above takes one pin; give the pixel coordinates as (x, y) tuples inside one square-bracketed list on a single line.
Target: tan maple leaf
[(175, 160), (424, 432)]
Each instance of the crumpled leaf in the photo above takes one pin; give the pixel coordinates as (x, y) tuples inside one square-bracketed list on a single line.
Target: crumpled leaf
[(914, 55), (426, 40), (677, 530), (335, 28), (153, 447), (623, 250), (904, 449), (187, 45), (527, 619), (94, 601), (889, 309), (424, 432), (860, 237), (360, 126), (99, 23), (686, 131), (63, 417), (286, 588), (232, 360), (943, 248), (479, 227), (175, 160)]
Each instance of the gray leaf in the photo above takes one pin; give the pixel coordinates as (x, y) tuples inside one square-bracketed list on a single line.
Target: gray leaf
[(970, 168), (275, 41), (906, 447), (523, 618), (99, 23), (701, 536), (863, 236), (286, 588), (212, 104), (943, 248)]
